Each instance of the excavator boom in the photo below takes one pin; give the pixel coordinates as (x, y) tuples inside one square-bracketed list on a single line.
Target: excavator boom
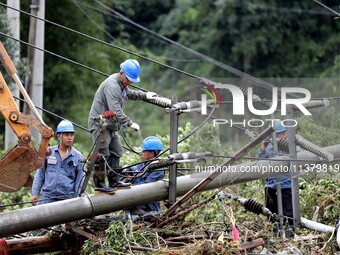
[(16, 164)]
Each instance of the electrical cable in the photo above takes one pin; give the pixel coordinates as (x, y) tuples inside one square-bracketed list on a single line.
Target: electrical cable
[(231, 69), (59, 55), (325, 6), (280, 9), (126, 142), (97, 40), (183, 139), (105, 13), (54, 54), (180, 141)]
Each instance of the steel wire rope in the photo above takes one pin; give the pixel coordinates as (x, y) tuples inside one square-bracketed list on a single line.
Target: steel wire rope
[(57, 55), (231, 69), (328, 8), (67, 59), (77, 3), (132, 150), (79, 126), (54, 54), (120, 48), (98, 40), (282, 9), (74, 62), (93, 38)]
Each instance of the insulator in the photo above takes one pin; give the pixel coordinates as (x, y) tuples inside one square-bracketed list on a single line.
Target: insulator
[(190, 155), (251, 135), (160, 101), (282, 146), (313, 104), (309, 146), (159, 164), (253, 206), (244, 90)]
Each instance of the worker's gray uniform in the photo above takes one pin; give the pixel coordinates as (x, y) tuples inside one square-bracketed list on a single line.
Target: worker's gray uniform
[(111, 96)]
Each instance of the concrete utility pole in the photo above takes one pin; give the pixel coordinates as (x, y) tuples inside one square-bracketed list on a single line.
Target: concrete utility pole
[(35, 77), (291, 135), (36, 217), (14, 28)]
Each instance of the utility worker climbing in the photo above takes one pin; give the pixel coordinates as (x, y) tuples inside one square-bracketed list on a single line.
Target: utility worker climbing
[(112, 95)]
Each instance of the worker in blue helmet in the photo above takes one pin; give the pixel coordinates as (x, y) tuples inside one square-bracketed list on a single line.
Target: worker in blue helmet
[(62, 175), (151, 147), (112, 95), (267, 151)]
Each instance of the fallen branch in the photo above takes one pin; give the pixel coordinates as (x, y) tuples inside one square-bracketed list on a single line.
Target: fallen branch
[(81, 232), (185, 238), (184, 212), (139, 248), (252, 244)]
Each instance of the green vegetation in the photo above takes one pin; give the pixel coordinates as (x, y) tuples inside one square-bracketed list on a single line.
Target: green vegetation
[(287, 43)]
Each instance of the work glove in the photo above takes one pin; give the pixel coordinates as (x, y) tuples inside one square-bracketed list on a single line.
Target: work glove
[(135, 126), (151, 95)]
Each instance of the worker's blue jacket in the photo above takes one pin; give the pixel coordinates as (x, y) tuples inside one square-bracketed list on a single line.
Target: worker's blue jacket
[(59, 179), (271, 182), (148, 177)]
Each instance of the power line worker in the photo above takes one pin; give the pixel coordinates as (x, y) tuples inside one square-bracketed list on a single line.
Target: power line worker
[(62, 175), (271, 201), (151, 147), (112, 95)]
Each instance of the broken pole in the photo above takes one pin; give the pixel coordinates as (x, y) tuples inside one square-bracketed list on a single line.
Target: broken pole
[(88, 206), (211, 177)]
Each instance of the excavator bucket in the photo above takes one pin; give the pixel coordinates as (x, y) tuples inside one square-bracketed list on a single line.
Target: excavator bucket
[(20, 161), (15, 168)]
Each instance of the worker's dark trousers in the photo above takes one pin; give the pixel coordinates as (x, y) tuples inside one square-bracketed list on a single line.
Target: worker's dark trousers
[(113, 173), (287, 205)]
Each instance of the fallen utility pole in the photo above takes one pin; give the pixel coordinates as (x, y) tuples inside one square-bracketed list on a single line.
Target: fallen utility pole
[(212, 176), (41, 216)]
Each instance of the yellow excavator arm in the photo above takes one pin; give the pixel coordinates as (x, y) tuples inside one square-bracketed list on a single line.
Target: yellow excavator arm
[(16, 164)]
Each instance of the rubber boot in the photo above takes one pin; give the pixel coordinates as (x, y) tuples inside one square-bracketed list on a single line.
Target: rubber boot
[(112, 175), (290, 232), (99, 179), (277, 231)]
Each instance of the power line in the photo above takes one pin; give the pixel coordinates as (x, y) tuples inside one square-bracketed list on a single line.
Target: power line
[(53, 54), (325, 6), (281, 9), (78, 3), (231, 69), (101, 41)]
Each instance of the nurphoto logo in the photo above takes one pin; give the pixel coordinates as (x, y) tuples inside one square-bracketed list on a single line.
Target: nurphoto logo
[(238, 104)]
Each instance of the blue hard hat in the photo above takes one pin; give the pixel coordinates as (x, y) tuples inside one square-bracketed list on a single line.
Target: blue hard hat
[(152, 143), (131, 69), (65, 126), (278, 127)]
